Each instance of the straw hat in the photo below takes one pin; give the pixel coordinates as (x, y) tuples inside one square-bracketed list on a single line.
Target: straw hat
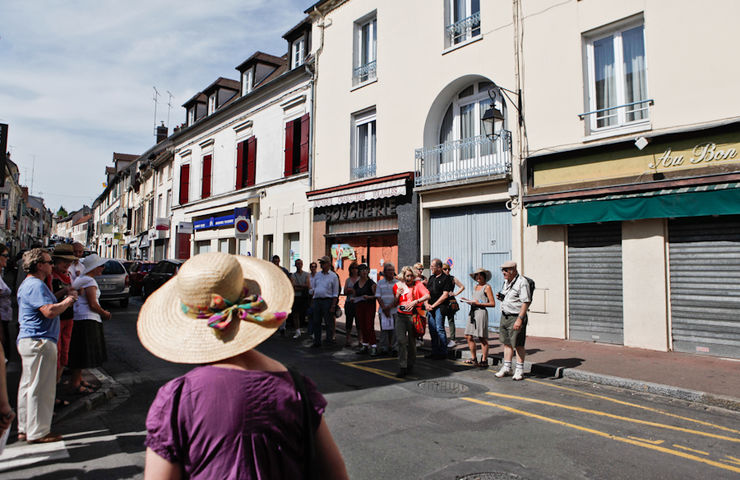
[(64, 251), (485, 272), (91, 262), (218, 306)]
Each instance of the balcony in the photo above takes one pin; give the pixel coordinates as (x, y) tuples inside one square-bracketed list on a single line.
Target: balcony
[(464, 159), (364, 73), (464, 29), (362, 171)]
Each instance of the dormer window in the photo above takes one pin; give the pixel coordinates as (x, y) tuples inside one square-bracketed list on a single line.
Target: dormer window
[(297, 52), (247, 81), (212, 103), (191, 115)]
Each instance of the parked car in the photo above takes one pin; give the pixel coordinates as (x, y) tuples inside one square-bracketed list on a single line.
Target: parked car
[(136, 272), (161, 273), (113, 283)]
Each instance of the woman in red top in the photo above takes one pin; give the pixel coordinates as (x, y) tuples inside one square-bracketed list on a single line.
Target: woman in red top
[(411, 294)]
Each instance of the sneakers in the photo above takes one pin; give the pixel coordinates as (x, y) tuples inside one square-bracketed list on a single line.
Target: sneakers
[(363, 350), (297, 333), (374, 352), (518, 374), (451, 344), (503, 372)]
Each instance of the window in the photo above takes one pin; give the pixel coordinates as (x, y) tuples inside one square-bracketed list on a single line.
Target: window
[(297, 52), (205, 189), (202, 246), (191, 116), (211, 104), (617, 78), (247, 81), (160, 175), (150, 214), (296, 145), (184, 184), (160, 206), (363, 154), (366, 39), (462, 21), (169, 202), (461, 127), (246, 163)]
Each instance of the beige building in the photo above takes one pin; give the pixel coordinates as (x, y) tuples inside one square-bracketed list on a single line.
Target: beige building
[(631, 201)]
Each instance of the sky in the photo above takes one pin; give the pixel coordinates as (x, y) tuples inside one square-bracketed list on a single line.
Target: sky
[(76, 77)]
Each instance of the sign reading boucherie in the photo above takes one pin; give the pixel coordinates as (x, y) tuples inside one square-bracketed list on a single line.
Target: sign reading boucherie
[(385, 207)]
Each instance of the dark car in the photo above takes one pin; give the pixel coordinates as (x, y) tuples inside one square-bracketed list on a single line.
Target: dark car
[(137, 271), (113, 283), (162, 271)]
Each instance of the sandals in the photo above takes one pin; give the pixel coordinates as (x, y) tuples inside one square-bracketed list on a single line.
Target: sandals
[(83, 390), (483, 365), (472, 362), (89, 385)]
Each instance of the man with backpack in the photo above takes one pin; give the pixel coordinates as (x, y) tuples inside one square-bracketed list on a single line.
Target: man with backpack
[(515, 298)]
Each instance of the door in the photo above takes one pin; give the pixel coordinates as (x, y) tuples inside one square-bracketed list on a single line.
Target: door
[(595, 282), (469, 238), (704, 259)]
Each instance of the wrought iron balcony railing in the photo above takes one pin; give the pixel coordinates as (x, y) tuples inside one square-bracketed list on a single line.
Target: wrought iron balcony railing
[(464, 29), (464, 159), (362, 171), (363, 73)]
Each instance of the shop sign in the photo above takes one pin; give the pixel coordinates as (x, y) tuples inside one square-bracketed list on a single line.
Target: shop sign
[(213, 222), (162, 223), (185, 227), (702, 153), (385, 207)]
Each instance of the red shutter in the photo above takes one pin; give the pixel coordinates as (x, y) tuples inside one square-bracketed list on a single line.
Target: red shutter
[(289, 149), (305, 129), (184, 183), (205, 191), (251, 160), (240, 164), (183, 246)]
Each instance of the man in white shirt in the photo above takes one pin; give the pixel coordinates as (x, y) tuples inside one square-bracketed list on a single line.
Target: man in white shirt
[(386, 301), (77, 268), (325, 286), (515, 299)]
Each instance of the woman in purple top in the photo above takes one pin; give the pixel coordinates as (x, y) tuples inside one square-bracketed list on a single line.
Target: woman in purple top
[(241, 416)]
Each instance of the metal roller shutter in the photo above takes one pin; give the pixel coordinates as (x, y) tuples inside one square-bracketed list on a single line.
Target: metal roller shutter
[(704, 258), (595, 282)]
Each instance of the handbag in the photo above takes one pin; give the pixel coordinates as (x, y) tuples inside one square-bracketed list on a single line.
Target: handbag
[(309, 428), (420, 325), (453, 305)]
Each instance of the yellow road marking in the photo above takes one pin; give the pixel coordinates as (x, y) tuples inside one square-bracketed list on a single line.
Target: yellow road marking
[(690, 449), (376, 371), (616, 417), (654, 442), (373, 360), (732, 459), (610, 436), (649, 409)]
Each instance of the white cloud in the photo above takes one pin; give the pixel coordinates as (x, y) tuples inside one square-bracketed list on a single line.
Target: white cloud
[(76, 77)]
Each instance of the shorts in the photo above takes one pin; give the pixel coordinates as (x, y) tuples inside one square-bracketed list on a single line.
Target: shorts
[(506, 333)]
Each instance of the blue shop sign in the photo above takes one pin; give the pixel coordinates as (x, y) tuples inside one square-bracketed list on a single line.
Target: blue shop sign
[(213, 222)]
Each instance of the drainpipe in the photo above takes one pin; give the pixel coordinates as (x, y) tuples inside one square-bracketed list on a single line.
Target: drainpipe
[(314, 79), (520, 127)]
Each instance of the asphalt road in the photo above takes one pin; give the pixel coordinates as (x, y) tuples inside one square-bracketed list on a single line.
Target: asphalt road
[(447, 421)]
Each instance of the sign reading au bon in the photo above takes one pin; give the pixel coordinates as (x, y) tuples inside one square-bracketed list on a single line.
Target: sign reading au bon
[(701, 154)]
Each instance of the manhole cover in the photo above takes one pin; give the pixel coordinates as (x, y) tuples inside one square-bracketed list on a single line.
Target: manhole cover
[(490, 476), (444, 386)]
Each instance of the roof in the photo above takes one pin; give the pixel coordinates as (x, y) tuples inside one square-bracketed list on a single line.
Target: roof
[(83, 219), (321, 3), (110, 170), (259, 57), (222, 82), (126, 157), (302, 25), (199, 97)]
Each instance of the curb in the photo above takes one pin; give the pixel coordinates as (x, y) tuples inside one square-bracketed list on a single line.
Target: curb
[(109, 389)]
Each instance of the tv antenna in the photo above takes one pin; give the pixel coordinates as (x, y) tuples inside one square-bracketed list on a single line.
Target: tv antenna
[(169, 106), (155, 96)]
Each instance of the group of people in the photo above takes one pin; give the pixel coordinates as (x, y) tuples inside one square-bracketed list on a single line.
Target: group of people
[(397, 300), (59, 322)]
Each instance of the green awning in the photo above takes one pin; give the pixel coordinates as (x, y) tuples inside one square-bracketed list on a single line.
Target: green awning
[(720, 199)]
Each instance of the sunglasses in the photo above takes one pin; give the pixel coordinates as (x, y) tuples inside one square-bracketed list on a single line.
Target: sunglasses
[(5, 255)]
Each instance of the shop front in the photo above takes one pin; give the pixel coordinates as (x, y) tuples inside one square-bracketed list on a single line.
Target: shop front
[(216, 232), (650, 240), (372, 222)]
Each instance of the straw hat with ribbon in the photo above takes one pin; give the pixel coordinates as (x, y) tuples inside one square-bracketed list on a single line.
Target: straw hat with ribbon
[(64, 251), (216, 307), (485, 273)]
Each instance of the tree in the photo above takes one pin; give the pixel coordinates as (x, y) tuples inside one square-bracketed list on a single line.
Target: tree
[(62, 213)]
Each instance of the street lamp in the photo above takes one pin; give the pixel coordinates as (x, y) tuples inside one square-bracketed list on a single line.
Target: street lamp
[(493, 117)]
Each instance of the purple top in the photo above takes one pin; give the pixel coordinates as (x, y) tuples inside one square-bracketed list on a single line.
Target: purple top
[(232, 424)]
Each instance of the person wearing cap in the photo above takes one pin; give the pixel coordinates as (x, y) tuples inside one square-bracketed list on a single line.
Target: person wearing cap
[(325, 287), (38, 318), (478, 318), (87, 347), (240, 414), (515, 299)]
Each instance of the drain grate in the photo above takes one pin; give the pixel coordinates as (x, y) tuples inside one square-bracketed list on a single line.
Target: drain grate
[(490, 476), (443, 386)]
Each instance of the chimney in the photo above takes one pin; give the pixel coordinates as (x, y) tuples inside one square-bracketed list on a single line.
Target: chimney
[(161, 132)]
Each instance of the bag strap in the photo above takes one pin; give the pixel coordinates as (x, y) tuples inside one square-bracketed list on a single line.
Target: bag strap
[(308, 427)]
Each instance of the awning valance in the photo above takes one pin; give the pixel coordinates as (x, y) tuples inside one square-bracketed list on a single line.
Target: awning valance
[(719, 199)]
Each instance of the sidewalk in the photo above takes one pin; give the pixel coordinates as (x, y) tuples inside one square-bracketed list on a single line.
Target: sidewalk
[(703, 379)]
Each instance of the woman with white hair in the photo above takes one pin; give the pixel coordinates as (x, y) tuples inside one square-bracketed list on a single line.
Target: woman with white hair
[(87, 346)]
